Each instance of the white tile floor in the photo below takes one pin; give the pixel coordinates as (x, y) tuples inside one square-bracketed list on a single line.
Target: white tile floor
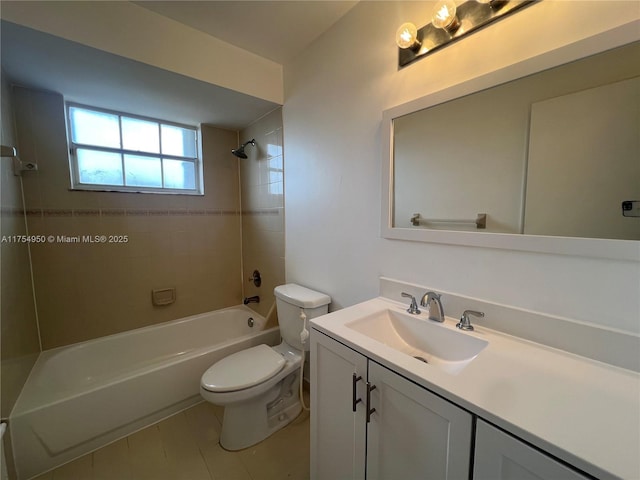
[(185, 447)]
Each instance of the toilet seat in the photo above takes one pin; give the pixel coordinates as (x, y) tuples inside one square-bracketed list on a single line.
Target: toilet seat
[(243, 369)]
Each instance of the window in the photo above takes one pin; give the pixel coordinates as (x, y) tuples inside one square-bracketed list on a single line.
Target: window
[(122, 152)]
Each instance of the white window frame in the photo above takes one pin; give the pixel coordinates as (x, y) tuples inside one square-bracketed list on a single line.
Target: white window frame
[(76, 184)]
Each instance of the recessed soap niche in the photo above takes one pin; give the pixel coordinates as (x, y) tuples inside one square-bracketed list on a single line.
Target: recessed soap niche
[(161, 297)]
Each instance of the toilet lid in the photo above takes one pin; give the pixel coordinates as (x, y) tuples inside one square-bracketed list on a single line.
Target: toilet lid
[(243, 369)]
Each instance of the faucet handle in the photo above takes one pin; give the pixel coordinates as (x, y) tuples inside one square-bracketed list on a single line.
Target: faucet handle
[(465, 321), (413, 308)]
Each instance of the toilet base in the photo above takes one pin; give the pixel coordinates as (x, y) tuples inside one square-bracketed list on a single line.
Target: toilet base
[(247, 423)]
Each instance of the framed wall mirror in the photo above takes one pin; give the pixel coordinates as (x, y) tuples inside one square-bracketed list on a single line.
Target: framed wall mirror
[(540, 156)]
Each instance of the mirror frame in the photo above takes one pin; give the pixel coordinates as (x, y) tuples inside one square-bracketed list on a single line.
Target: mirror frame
[(576, 246)]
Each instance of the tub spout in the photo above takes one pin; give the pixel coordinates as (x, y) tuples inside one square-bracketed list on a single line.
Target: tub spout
[(254, 299)]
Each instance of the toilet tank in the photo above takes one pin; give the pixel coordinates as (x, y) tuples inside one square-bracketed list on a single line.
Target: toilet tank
[(290, 298)]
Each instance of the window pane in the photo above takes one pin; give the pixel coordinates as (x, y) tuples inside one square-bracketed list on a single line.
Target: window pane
[(142, 171), (94, 128), (99, 167), (179, 174), (140, 135), (177, 141)]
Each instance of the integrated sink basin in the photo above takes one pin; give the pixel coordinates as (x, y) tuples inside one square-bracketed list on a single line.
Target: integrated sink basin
[(427, 341)]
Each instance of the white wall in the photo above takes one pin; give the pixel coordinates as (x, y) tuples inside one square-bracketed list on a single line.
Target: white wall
[(334, 97)]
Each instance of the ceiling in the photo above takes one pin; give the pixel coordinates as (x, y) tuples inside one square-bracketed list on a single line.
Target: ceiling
[(276, 30)]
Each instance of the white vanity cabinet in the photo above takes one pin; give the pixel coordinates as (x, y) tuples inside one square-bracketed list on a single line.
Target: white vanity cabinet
[(338, 428), (500, 456), (408, 432), (414, 434), (488, 406)]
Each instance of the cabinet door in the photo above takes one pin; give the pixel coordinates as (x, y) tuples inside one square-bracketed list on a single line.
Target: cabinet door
[(499, 456), (338, 434), (414, 434)]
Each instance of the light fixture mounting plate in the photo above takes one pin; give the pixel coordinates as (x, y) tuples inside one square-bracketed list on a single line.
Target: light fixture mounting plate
[(472, 16)]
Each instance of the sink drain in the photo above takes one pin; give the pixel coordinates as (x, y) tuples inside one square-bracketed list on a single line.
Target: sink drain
[(422, 359)]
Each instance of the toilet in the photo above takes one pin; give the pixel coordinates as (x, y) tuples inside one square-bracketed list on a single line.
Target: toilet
[(259, 386)]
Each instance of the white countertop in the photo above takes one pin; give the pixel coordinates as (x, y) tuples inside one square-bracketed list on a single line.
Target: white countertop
[(584, 412)]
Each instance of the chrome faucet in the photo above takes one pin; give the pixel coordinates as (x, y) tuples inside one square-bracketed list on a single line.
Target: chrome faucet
[(431, 300), (413, 308), (465, 321), (254, 299)]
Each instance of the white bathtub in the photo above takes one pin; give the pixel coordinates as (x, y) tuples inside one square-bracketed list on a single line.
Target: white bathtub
[(81, 397)]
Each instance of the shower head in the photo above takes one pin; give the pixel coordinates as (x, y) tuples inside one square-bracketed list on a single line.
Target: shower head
[(239, 152)]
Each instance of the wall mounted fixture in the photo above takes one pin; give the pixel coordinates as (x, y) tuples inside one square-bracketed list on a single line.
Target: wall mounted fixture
[(6, 151), (480, 221), (451, 22), (256, 278), (239, 152), (18, 165)]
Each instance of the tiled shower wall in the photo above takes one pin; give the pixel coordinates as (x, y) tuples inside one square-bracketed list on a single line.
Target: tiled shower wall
[(19, 336), (88, 290), (263, 209)]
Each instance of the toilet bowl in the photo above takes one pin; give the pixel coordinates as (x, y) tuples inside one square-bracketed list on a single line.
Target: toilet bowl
[(259, 386)]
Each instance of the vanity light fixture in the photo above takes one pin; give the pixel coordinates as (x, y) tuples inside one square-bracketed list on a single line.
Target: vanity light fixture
[(450, 22)]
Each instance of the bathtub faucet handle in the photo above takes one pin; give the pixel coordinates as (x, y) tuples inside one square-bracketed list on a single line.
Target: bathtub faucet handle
[(254, 299), (256, 278)]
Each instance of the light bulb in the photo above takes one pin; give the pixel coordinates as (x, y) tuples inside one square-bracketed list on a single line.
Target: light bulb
[(407, 36), (444, 15)]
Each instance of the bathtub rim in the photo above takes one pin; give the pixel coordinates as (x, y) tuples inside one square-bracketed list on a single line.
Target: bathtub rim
[(18, 409), (160, 325)]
